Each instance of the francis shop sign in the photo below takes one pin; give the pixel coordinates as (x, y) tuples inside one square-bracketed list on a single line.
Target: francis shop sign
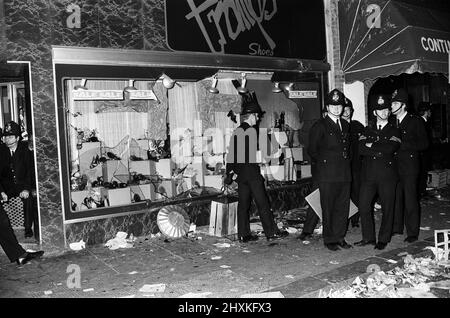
[(274, 28)]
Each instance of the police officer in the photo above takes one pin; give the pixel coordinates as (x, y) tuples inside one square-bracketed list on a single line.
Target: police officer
[(378, 145), (414, 139), (356, 130), (329, 144), (242, 166), (16, 175)]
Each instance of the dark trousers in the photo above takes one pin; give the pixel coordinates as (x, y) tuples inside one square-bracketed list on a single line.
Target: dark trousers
[(8, 239), (354, 194), (311, 217), (335, 203), (407, 208), (254, 189), (386, 192), (31, 215), (425, 166)]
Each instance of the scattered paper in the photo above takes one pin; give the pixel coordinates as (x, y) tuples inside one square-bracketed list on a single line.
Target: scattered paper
[(88, 290), (192, 228), (215, 258), (289, 276), (306, 242), (222, 245), (133, 272), (334, 262), (120, 241), (155, 288), (402, 254), (292, 230), (444, 284), (319, 230), (425, 228), (195, 295), (48, 292), (77, 246), (276, 294), (391, 261), (225, 266), (245, 251)]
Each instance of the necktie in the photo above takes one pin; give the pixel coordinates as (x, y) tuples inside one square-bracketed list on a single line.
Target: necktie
[(337, 123), (398, 123), (379, 127)]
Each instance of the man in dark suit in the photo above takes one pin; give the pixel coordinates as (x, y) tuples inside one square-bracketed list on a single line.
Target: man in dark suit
[(329, 146), (16, 175), (414, 139), (425, 155), (378, 145), (356, 130), (242, 166), (14, 251)]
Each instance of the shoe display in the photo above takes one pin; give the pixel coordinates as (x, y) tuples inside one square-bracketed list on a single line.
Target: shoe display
[(345, 245), (332, 246), (380, 246), (364, 243), (304, 236), (28, 257), (248, 238), (410, 239)]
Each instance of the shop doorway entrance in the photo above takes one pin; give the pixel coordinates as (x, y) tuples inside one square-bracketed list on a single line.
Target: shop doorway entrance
[(16, 105)]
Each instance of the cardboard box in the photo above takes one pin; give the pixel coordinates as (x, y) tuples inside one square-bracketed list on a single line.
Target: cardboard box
[(116, 170), (144, 191), (223, 218), (214, 181), (119, 196), (164, 168), (295, 153), (305, 171), (437, 179), (166, 189)]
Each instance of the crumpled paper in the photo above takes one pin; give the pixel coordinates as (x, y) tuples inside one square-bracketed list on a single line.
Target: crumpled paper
[(77, 246), (120, 241)]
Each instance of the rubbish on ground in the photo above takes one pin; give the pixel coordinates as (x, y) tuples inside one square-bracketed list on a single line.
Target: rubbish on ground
[(199, 238), (77, 246), (289, 276), (402, 254), (225, 266), (215, 258), (195, 295), (48, 292), (256, 227), (334, 262), (319, 230), (391, 261), (154, 288), (133, 272), (444, 284), (222, 245), (425, 228), (291, 230), (276, 294), (246, 251), (373, 268), (173, 221), (280, 225), (59, 284), (306, 242), (120, 241), (192, 228), (88, 290), (172, 269), (128, 296)]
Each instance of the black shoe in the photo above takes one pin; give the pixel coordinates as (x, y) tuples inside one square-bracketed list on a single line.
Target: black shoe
[(380, 246), (248, 238), (410, 239), (332, 246), (277, 236), (28, 233), (304, 236), (345, 245), (28, 257), (364, 243)]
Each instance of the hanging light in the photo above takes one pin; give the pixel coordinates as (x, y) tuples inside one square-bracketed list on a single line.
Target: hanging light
[(276, 88), (130, 86), (242, 89), (82, 85), (213, 89), (168, 82)]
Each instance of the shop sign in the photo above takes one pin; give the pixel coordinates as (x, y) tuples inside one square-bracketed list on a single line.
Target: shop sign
[(89, 94), (302, 94), (273, 28), (142, 94)]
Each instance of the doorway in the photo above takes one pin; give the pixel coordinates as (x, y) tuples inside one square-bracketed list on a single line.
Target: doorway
[(16, 105)]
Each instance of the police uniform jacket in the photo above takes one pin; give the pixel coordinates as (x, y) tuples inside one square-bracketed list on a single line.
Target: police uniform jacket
[(242, 161), (414, 139), (15, 172), (379, 162), (330, 149), (356, 130)]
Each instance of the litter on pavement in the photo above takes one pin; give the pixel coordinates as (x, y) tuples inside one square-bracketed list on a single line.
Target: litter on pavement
[(276, 294), (195, 295), (77, 246), (120, 241), (154, 288), (222, 245)]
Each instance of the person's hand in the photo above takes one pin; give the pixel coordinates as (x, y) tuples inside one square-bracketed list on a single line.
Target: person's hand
[(393, 138), (4, 197), (24, 194), (369, 144)]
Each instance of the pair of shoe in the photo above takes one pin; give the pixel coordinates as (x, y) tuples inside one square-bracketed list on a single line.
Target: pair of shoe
[(332, 246), (278, 235), (396, 233), (380, 246), (28, 256), (344, 245), (364, 243), (248, 238), (28, 233), (411, 239), (304, 236)]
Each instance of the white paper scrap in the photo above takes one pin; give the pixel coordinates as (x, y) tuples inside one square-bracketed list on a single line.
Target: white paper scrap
[(88, 290), (133, 272), (215, 258), (155, 288), (48, 292), (225, 266), (222, 245)]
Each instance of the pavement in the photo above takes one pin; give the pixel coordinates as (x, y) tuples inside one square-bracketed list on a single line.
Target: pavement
[(203, 266)]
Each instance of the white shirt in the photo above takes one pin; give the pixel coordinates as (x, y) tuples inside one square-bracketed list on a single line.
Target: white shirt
[(382, 125), (425, 118), (336, 119)]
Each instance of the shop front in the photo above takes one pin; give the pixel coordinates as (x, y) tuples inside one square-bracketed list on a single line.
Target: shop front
[(133, 112)]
